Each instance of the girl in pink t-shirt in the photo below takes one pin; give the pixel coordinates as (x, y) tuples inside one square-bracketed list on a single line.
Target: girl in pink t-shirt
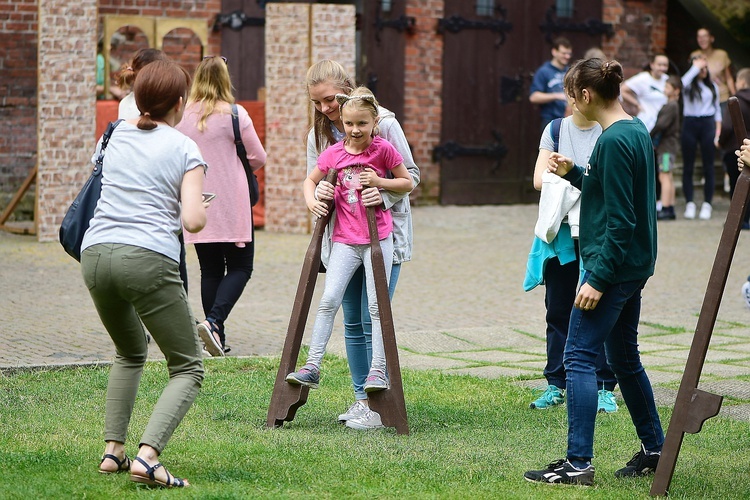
[(362, 159)]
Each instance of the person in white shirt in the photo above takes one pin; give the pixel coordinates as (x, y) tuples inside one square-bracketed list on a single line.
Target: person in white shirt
[(645, 91)]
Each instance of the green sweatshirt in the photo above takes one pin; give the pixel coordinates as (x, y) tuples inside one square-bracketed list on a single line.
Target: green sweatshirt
[(618, 206)]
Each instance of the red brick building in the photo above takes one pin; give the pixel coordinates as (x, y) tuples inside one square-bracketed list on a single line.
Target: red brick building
[(456, 72)]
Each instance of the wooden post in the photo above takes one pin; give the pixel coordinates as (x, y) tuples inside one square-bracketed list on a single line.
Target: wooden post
[(14, 203), (388, 403), (694, 406), (286, 398)]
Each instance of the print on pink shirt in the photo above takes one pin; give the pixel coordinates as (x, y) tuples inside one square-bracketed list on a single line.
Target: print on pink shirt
[(350, 182)]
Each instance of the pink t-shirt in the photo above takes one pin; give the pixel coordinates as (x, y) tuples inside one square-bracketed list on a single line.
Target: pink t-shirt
[(351, 214), (229, 218)]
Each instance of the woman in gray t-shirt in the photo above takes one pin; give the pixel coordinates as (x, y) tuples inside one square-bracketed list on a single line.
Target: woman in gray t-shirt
[(152, 180)]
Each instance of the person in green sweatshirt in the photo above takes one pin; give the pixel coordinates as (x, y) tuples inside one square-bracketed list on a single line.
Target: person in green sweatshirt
[(618, 253)]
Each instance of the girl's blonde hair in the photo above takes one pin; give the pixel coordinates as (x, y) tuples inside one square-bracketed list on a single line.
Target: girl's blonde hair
[(327, 71), (211, 83), (360, 99)]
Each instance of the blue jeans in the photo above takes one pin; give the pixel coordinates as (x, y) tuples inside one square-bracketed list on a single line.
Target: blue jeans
[(614, 324), (358, 327), (561, 286)]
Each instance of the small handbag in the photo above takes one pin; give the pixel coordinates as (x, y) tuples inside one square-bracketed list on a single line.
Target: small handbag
[(78, 217), (252, 180)]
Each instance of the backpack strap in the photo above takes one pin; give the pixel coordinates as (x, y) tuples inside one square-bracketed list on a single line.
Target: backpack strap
[(555, 131)]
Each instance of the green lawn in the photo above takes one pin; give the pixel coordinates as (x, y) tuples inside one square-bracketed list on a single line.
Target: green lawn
[(470, 438)]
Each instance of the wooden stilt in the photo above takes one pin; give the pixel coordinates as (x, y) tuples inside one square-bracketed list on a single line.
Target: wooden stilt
[(389, 403), (693, 406), (21, 228), (286, 398)]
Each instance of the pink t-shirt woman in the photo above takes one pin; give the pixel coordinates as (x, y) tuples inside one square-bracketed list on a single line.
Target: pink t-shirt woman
[(230, 214)]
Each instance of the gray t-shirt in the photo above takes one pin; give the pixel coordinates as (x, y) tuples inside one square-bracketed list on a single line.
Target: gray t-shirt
[(575, 143), (141, 181)]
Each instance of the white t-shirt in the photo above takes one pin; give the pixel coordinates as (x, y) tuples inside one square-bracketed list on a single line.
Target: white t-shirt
[(127, 110), (650, 94), (575, 143), (141, 183)]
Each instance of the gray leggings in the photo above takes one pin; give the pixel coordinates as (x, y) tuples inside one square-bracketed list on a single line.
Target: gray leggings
[(345, 260), (127, 283)]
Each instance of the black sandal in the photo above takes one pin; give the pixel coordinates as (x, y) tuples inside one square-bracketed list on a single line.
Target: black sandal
[(171, 482), (122, 465)]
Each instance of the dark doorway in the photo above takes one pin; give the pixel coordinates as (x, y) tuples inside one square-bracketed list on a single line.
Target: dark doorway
[(490, 130)]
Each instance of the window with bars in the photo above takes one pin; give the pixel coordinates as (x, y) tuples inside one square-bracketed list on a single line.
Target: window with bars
[(485, 7)]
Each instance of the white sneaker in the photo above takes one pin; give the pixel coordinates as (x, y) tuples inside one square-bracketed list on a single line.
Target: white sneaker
[(705, 211), (690, 210), (659, 206), (746, 291), (370, 420), (357, 409)]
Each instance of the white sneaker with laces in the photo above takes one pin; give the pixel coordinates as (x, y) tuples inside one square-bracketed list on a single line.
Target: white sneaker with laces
[(368, 421), (690, 210), (705, 211), (357, 409)]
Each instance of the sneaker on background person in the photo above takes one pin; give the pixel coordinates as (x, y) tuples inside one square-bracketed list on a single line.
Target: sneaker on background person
[(705, 211), (666, 213), (643, 463), (209, 334), (367, 421), (746, 291), (357, 409), (308, 375), (552, 396), (562, 472), (690, 210), (607, 402)]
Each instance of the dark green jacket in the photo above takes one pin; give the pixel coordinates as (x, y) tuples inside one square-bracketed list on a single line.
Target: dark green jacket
[(618, 206)]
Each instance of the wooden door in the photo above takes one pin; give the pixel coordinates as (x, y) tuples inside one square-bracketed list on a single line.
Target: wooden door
[(382, 52), (490, 130), (242, 25)]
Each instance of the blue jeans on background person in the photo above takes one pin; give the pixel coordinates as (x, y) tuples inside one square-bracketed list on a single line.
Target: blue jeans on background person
[(358, 327), (561, 286), (614, 324)]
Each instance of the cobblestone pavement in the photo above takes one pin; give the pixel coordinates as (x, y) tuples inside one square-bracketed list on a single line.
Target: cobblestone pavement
[(459, 306)]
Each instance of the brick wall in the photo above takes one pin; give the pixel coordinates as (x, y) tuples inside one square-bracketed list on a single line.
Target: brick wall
[(18, 47), (66, 107), (297, 35), (187, 9), (423, 87), (640, 30), (19, 35)]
